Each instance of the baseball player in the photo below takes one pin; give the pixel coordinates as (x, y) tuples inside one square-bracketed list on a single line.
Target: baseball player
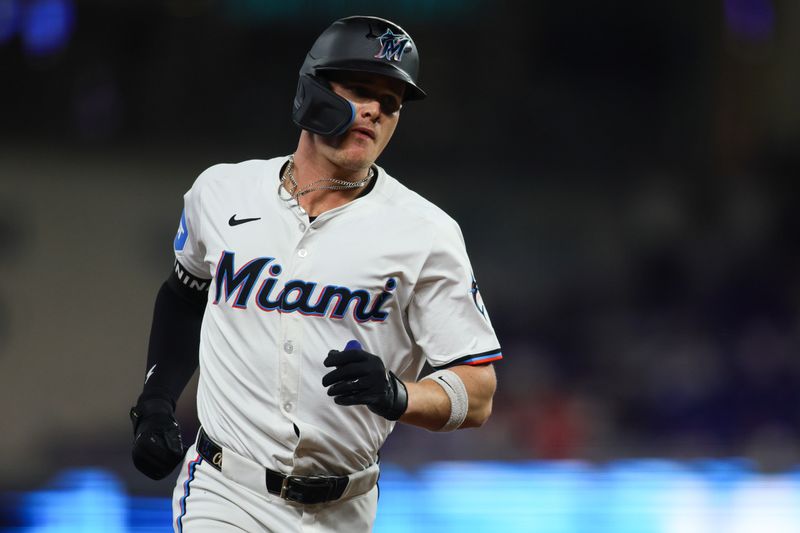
[(311, 289)]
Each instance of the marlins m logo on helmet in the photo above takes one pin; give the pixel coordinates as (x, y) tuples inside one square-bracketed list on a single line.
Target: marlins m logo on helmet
[(392, 46)]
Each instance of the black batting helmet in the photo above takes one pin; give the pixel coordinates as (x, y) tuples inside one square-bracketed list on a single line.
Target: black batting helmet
[(356, 44)]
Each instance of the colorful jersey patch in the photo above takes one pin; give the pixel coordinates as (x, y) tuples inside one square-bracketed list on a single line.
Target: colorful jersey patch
[(182, 235)]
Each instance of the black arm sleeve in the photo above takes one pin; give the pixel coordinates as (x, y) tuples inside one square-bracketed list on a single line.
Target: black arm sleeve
[(172, 355)]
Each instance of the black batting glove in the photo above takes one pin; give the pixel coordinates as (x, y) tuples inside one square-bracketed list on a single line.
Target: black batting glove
[(360, 378), (157, 443)]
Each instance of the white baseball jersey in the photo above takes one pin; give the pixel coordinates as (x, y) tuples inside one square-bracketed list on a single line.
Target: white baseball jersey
[(388, 269)]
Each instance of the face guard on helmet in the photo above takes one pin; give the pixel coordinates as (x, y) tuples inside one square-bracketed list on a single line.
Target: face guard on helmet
[(355, 44)]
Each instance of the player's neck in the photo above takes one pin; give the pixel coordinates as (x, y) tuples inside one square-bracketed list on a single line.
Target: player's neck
[(311, 166)]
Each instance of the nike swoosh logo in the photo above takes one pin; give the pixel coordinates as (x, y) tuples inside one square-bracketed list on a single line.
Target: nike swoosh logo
[(234, 222), (446, 383)]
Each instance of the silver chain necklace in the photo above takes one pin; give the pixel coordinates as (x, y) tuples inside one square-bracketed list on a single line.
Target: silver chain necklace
[(335, 184)]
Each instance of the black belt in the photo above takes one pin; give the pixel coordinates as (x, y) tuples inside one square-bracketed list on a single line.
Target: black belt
[(300, 489)]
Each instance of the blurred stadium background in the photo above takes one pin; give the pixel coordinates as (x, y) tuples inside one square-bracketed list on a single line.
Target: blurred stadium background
[(622, 172)]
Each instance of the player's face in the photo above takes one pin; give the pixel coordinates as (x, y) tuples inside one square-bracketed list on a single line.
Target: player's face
[(377, 100)]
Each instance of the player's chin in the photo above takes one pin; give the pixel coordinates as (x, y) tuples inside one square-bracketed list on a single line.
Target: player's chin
[(357, 157), (357, 141)]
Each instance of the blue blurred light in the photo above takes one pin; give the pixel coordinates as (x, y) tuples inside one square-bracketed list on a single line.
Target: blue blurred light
[(47, 25), (642, 496), (750, 19), (81, 500), (149, 515), (9, 15)]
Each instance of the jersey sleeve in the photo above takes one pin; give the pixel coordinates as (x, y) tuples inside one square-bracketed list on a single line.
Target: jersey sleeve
[(446, 314), (189, 246)]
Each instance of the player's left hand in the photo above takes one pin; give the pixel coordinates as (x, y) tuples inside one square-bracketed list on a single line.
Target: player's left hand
[(360, 378), (157, 445)]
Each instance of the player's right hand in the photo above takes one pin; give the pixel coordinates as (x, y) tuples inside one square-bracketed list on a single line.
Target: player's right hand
[(157, 443), (360, 378)]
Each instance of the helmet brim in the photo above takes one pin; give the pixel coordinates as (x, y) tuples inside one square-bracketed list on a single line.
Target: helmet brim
[(413, 92)]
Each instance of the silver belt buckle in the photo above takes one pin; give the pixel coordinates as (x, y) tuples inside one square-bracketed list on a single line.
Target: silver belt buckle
[(284, 486), (303, 482), (292, 497)]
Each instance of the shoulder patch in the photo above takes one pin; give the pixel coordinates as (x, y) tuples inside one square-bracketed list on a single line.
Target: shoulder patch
[(476, 297), (182, 235)]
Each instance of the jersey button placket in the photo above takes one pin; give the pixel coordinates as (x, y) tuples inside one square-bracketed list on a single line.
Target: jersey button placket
[(289, 376), (291, 356), (290, 351)]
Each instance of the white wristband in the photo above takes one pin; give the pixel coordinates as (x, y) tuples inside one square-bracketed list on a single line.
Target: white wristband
[(457, 392)]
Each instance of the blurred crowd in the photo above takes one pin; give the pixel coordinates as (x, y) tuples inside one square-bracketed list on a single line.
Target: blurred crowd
[(675, 334)]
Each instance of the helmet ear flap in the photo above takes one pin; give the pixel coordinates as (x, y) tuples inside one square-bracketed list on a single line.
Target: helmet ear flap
[(320, 110)]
